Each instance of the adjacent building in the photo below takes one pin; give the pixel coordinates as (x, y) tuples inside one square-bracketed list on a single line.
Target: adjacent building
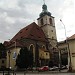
[(68, 46)]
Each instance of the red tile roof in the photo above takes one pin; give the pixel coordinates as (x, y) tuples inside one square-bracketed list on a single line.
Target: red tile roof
[(72, 37), (6, 43), (32, 31), (69, 38)]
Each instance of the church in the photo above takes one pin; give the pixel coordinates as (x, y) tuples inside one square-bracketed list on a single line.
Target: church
[(40, 38)]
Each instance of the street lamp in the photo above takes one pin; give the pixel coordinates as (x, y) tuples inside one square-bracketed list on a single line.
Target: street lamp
[(69, 55), (59, 60), (9, 62), (59, 57), (9, 58)]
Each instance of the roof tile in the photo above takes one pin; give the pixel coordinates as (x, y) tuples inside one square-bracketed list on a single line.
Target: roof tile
[(32, 31)]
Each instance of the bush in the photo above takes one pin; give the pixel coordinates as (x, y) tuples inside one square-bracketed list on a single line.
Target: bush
[(7, 74)]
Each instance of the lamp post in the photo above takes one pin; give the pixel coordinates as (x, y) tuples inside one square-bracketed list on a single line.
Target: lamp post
[(9, 58), (59, 60), (9, 62), (69, 55), (59, 57), (14, 56)]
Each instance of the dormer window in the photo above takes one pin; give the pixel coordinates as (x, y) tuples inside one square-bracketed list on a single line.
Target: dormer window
[(27, 29)]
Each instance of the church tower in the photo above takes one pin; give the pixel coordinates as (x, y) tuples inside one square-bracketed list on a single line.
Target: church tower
[(47, 24)]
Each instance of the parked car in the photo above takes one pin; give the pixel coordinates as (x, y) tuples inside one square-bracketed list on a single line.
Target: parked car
[(63, 67), (44, 68), (53, 68), (32, 68)]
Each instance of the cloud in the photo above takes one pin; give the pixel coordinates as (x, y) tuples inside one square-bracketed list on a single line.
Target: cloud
[(6, 4), (66, 13), (16, 14)]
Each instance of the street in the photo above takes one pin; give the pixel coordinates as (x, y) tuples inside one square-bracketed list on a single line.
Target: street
[(41, 73), (52, 74)]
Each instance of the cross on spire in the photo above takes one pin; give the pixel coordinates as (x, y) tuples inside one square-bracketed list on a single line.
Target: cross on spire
[(44, 1)]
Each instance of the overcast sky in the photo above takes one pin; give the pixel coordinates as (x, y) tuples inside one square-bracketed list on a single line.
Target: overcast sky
[(16, 14)]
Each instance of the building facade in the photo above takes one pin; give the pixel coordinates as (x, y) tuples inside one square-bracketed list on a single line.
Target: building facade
[(68, 47), (47, 23), (40, 39), (33, 40)]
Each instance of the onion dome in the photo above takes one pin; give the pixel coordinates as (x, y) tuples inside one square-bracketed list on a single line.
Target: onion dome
[(44, 11)]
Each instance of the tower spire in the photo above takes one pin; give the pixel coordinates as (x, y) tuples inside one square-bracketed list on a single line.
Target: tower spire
[(44, 10), (44, 1)]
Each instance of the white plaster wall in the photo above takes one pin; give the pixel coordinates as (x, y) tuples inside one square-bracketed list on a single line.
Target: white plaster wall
[(12, 61), (72, 53)]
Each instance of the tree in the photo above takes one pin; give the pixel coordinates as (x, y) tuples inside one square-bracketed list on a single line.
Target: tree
[(2, 51), (64, 61), (25, 58), (30, 58), (51, 63)]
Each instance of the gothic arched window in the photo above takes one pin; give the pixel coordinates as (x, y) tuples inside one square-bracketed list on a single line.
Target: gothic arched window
[(41, 21), (44, 47), (31, 48), (50, 20)]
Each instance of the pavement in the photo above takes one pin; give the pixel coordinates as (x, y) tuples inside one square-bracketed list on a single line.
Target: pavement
[(41, 73), (61, 72)]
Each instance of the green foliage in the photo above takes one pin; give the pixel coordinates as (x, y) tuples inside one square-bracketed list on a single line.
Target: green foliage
[(7, 74), (25, 58), (64, 61), (51, 64), (2, 51)]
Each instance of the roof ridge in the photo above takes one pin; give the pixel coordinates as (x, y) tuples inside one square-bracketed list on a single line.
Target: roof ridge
[(30, 30), (72, 37)]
